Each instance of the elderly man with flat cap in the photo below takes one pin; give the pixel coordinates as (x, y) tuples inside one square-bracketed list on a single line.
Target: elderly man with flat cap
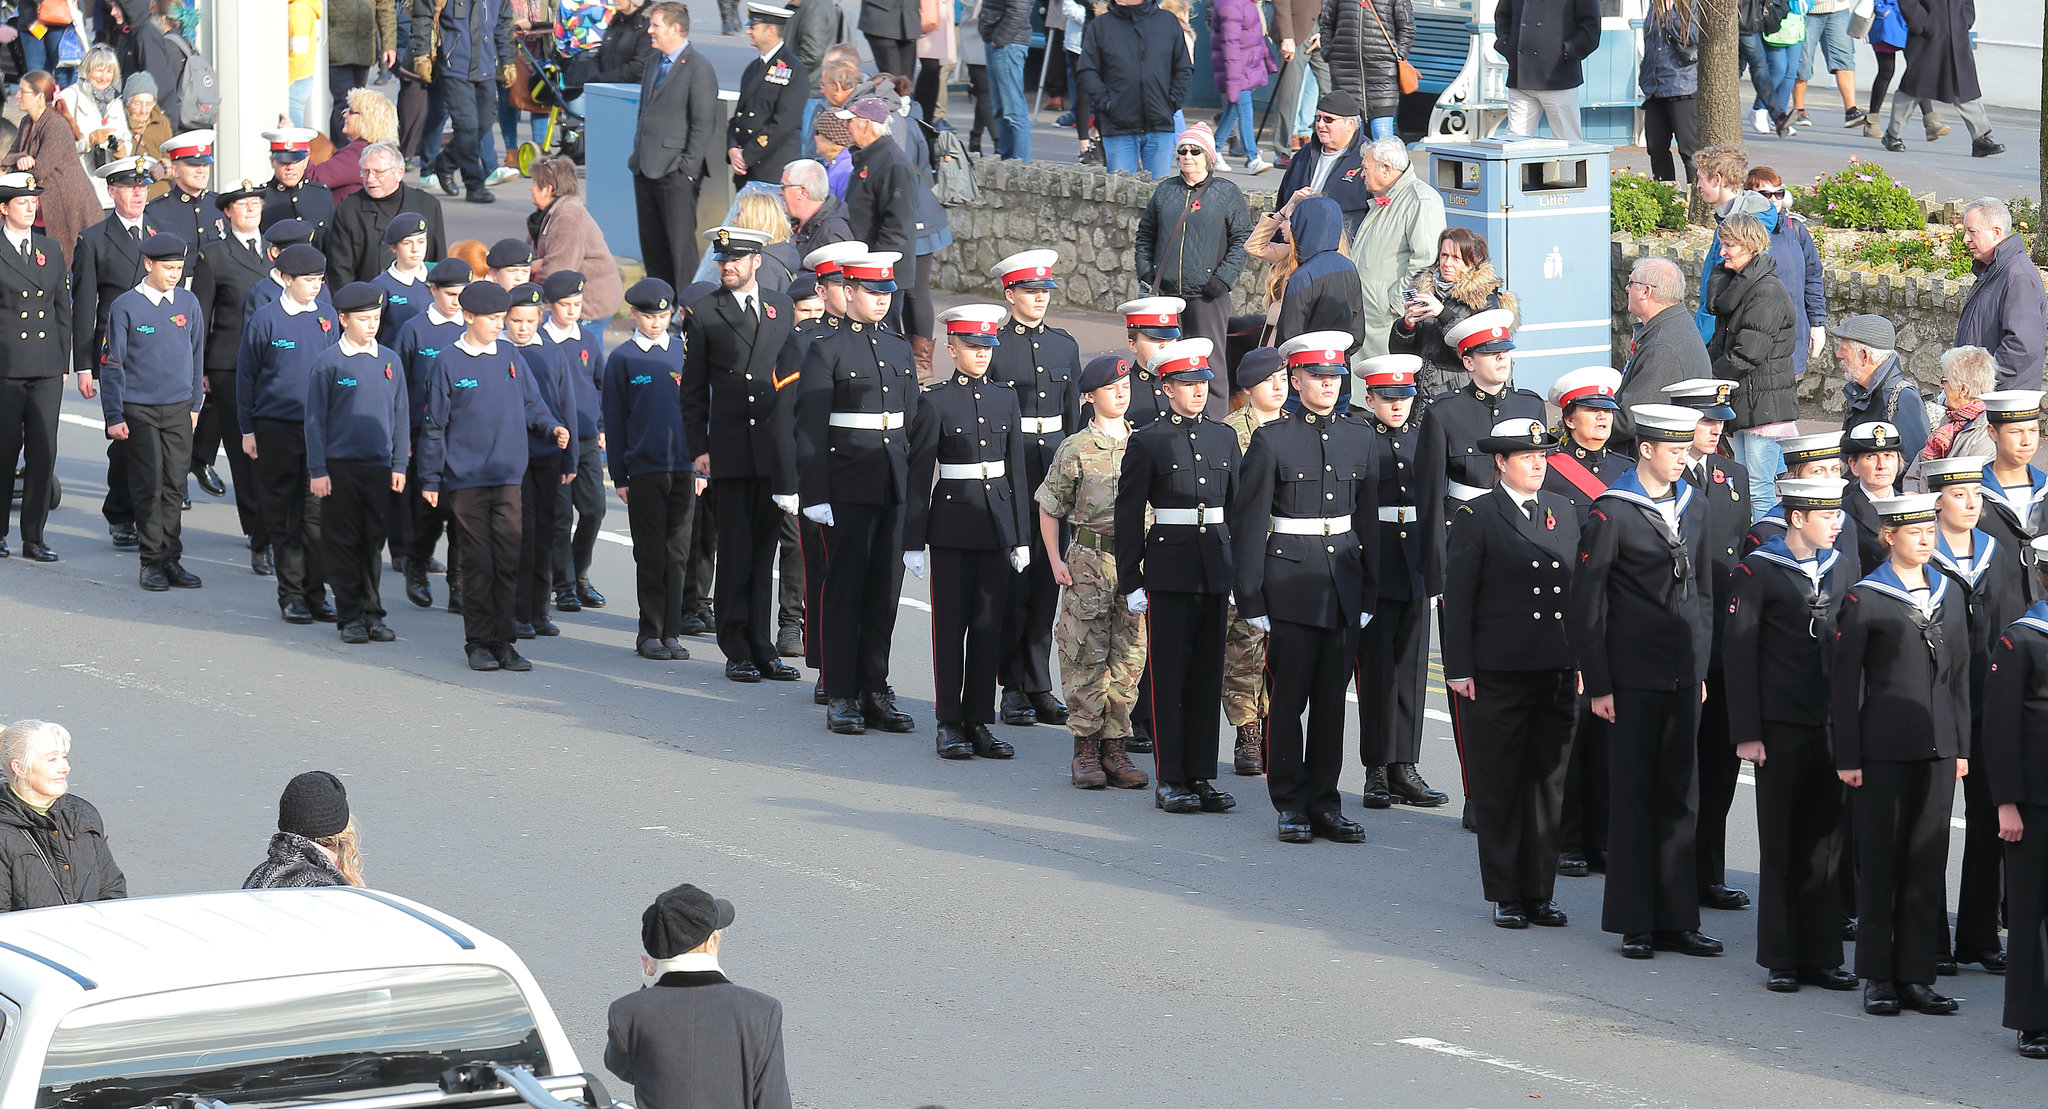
[(1877, 389), (691, 1038)]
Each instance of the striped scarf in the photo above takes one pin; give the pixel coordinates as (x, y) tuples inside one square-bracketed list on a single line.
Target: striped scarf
[(1944, 436)]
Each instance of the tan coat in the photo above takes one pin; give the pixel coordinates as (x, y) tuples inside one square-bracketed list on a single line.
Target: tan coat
[(570, 240)]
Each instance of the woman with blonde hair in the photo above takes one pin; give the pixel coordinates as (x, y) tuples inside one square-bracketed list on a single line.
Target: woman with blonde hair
[(565, 237), (53, 846), (761, 210), (98, 115), (317, 842), (369, 117)]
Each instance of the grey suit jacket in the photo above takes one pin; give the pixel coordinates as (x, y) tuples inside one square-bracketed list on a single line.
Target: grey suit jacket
[(681, 128), (694, 1040)]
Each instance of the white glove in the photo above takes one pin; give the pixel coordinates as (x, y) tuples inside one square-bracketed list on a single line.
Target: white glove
[(1135, 600), (1364, 618), (1020, 557), (785, 502), (1263, 623), (820, 514), (913, 561)]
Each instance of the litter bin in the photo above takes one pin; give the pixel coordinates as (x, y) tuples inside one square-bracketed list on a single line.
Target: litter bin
[(1542, 207)]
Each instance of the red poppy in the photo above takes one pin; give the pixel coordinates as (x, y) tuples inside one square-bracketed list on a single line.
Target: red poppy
[(179, 319), (770, 309), (326, 324), (387, 372)]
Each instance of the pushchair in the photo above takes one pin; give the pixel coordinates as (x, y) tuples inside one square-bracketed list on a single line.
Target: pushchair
[(541, 84)]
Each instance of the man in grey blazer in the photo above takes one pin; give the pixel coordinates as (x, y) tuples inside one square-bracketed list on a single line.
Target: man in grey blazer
[(692, 1039), (680, 133)]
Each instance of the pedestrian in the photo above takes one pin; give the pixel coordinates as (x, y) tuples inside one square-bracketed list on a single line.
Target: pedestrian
[(1782, 612), (44, 145), (1366, 45), (94, 107), (812, 31), (550, 466), (1135, 74), (1900, 713), (892, 28), (1668, 77), (149, 125), (290, 194), (361, 35), (32, 365), (473, 55), (1150, 323), (368, 118), (1666, 347), (1546, 43), (622, 55), (357, 446), (1237, 49), (1941, 67), (1807, 457), (152, 385), (1261, 379), (1887, 37), (1640, 633), (1322, 292), (692, 1039), (2014, 728), (1877, 388), (1828, 24), (1330, 166), (1799, 268), (302, 21), (1005, 30), (1755, 334), (1395, 242), (817, 216), (317, 841), (141, 44), (1462, 281), (649, 454), (1773, 53), (355, 239), (580, 514), (674, 138), (418, 345), (61, 856), (1967, 373), (2004, 309), (1190, 242), (832, 144), (474, 453)]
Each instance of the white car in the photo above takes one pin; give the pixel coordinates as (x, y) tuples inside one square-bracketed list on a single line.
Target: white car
[(272, 998)]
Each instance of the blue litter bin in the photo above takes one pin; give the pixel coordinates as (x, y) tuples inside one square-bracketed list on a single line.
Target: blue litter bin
[(1542, 207)]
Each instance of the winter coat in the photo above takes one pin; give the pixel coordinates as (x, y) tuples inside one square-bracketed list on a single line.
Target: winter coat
[(1891, 397), (1546, 42), (622, 55), (809, 36), (89, 116), (1237, 48), (826, 226), (1671, 53), (1753, 341), (1396, 241), (68, 203), (1203, 256), (59, 859), (1745, 203), (1665, 351), (359, 31), (294, 862), (890, 19), (1345, 183), (881, 198), (2007, 314), (342, 172), (1322, 293), (1134, 69), (1004, 22), (476, 36), (149, 143), (1939, 65), (1478, 291), (1361, 60), (1798, 259), (568, 239), (143, 48)]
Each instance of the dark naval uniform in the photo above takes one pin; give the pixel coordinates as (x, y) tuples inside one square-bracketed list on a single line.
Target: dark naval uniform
[(1393, 654), (768, 118), (810, 533), (106, 263), (1148, 399), (193, 217), (1859, 517), (227, 270), (308, 200), (2015, 763), (35, 354), (1580, 474), (1724, 484), (2014, 517), (1042, 365)]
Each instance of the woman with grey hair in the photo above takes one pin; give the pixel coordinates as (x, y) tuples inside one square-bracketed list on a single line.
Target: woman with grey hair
[(53, 846), (1966, 374), (317, 841)]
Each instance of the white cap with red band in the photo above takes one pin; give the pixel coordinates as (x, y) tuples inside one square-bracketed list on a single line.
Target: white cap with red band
[(827, 259), (1318, 348), (1152, 311), (1028, 267)]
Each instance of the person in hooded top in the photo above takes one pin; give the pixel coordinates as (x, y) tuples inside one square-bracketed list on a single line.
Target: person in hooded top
[(1322, 293)]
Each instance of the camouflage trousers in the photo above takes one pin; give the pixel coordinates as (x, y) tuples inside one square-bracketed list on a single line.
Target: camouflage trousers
[(1244, 672), (1101, 646)]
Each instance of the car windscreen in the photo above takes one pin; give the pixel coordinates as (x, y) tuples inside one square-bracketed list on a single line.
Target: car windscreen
[(282, 1040)]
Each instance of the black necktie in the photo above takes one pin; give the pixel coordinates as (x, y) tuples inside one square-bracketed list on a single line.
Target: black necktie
[(135, 234), (26, 255)]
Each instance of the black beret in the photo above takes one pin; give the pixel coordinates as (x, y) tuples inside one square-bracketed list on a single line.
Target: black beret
[(286, 232), (561, 285), (403, 226), (509, 252), (450, 271), (1258, 364), (803, 286), (651, 294), (301, 260), (681, 920), (358, 296), (485, 298), (163, 246), (314, 805), (1104, 369), (525, 296)]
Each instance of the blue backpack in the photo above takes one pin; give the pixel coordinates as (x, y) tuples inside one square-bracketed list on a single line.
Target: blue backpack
[(1887, 26)]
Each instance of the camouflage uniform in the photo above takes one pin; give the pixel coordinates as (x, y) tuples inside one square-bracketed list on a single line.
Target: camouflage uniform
[(1244, 646), (1101, 642)]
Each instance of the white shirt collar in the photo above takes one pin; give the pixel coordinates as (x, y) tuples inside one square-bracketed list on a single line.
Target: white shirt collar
[(685, 963), (348, 346), (293, 307), (534, 343), (434, 316), (464, 343), (19, 240), (407, 277), (560, 334), (772, 51), (649, 344), (155, 297), (253, 240), (129, 224)]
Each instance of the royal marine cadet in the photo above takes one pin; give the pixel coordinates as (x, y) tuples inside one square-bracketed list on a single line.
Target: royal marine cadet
[(1149, 323), (1807, 457), (35, 307), (2015, 762), (188, 209), (152, 381), (358, 439), (419, 342), (1042, 365), (824, 263), (648, 450), (288, 195), (767, 125), (1306, 545), (1101, 641), (1178, 572), (1263, 378), (967, 505)]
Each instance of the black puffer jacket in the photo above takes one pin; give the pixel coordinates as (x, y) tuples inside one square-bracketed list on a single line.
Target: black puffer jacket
[(1134, 68), (59, 859), (1362, 61), (622, 56), (295, 862), (1753, 336), (1202, 255)]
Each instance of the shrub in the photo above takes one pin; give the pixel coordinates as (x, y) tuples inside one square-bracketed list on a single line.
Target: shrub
[(1642, 204), (1862, 197)]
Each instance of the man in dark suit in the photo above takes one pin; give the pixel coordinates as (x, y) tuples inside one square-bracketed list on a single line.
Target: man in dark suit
[(35, 341), (106, 263), (672, 143), (892, 28), (229, 267), (768, 120), (1546, 43), (731, 1053)]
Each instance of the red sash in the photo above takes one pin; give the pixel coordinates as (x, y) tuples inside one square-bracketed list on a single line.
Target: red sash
[(1575, 472)]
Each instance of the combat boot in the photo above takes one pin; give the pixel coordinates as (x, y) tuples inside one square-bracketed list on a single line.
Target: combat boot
[(1407, 787), (1117, 767), (1087, 766), (1249, 757)]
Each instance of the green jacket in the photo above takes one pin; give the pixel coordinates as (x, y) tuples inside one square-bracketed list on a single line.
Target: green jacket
[(360, 31)]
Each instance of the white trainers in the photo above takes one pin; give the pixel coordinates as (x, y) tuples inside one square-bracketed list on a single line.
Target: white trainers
[(1760, 122), (501, 175), (1222, 164), (429, 182), (1257, 165)]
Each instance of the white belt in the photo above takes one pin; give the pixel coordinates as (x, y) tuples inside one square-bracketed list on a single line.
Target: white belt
[(1039, 425), (1313, 525), (1459, 491), (868, 421), (1399, 514), (970, 471), (1187, 516)]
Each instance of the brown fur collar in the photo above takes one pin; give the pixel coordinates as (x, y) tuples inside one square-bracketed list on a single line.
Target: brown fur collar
[(1472, 289)]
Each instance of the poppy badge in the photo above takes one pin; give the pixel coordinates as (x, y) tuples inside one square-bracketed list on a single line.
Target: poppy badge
[(40, 260), (179, 319), (1549, 520), (326, 324), (770, 309)]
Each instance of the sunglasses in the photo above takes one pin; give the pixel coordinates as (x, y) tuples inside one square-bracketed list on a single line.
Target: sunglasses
[(1191, 151), (1772, 194)]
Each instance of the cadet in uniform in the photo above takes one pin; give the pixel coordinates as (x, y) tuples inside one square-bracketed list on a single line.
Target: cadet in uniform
[(228, 266), (1263, 378), (1807, 458), (1149, 323), (1901, 705), (36, 300), (1101, 641), (1178, 572), (1041, 364), (152, 385), (419, 342), (857, 392), (1640, 632), (977, 522), (357, 443), (189, 209), (106, 263), (278, 238), (509, 263), (2015, 489), (1507, 665), (288, 195), (581, 511), (767, 125), (739, 404), (1871, 452), (2015, 762), (824, 264), (648, 451), (404, 281), (1780, 631), (549, 465), (1306, 547)]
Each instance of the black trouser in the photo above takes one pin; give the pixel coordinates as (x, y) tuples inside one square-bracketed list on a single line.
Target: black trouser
[(212, 428), (487, 526), (1028, 614), (1183, 674), (927, 90), (241, 468), (1667, 119), (1902, 814), (968, 593), (1393, 676), (1453, 702), (1307, 670), (340, 80), (863, 581), (540, 497), (352, 524), (1799, 834), (578, 516), (291, 510), (413, 97), (810, 538), (159, 456), (2026, 923), (1519, 728), (472, 106), (744, 589), (427, 522), (1582, 829), (667, 208), (700, 563), (659, 511), (118, 508), (896, 57), (1983, 863), (1652, 877), (1208, 318), (789, 563), (28, 429), (1718, 770), (984, 108)]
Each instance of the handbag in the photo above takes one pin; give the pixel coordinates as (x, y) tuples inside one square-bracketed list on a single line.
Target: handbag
[(1860, 19), (54, 13), (70, 48), (1406, 74)]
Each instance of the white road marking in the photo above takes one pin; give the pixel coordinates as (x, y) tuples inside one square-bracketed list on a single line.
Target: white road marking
[(1599, 1090), (907, 602), (92, 422)]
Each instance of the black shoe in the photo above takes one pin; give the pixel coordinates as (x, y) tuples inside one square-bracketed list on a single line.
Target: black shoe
[(1992, 961), (544, 627), (1016, 709), (818, 692), (1509, 914), (676, 650), (565, 600), (1571, 864), (5, 552), (742, 670), (1466, 820), (509, 658), (693, 624), (1880, 1000), (481, 658), (954, 742), (1545, 913), (261, 563), (880, 712), (1723, 897), (1688, 943), (789, 641), (1854, 117), (1336, 827), (1408, 787), (1376, 795), (1830, 978), (124, 536), (522, 630), (35, 552), (153, 579), (1782, 981), (652, 650), (1141, 737), (1175, 798), (480, 196), (209, 480), (1849, 929), (1047, 708), (322, 610), (1295, 828), (1923, 999), (296, 612), (1638, 945), (179, 577), (444, 177), (842, 715), (1985, 148), (777, 670), (987, 745), (1946, 968), (590, 597), (1897, 146), (2034, 1045), (380, 632), (355, 631), (1213, 799)]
